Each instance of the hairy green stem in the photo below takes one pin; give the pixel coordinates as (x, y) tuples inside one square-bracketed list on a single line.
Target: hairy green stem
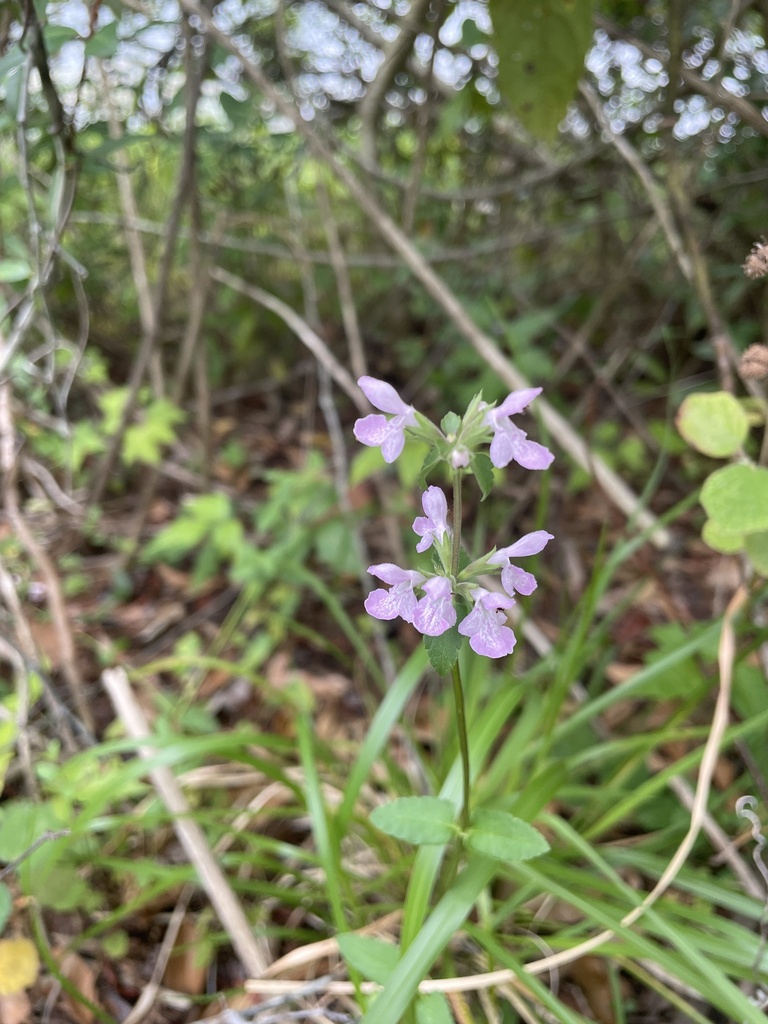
[(461, 727), (456, 546)]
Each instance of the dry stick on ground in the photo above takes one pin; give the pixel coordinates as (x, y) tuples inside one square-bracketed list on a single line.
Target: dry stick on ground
[(189, 833), (560, 429), (150, 337)]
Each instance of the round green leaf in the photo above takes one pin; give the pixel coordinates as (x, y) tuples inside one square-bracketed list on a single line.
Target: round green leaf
[(720, 540), (5, 906), (504, 837), (736, 499), (715, 425), (422, 820), (757, 549)]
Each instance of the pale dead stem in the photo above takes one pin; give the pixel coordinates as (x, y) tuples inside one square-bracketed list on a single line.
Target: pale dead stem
[(309, 338), (189, 833), (726, 653)]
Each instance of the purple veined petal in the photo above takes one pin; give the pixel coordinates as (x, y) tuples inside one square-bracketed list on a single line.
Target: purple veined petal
[(371, 430), (517, 581), (505, 442), (530, 544), (516, 402), (510, 444), (486, 625), (390, 573), (400, 599), (435, 506), (532, 455), (434, 526), (395, 440), (435, 612), (389, 604), (383, 396)]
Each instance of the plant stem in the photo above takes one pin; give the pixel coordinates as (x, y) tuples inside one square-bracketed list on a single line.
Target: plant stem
[(456, 546), (458, 691), (461, 727)]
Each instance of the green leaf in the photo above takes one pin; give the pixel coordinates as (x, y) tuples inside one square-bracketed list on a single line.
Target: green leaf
[(541, 45), (431, 459), (433, 1008), (716, 425), (103, 43), (721, 540), (450, 424), (757, 549), (13, 271), (373, 958), (421, 820), (504, 837), (482, 467), (736, 499), (443, 650)]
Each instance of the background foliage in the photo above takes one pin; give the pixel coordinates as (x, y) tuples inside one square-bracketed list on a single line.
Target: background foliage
[(214, 218)]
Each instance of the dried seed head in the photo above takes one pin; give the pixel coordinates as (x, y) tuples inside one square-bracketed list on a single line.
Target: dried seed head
[(757, 261), (754, 363)]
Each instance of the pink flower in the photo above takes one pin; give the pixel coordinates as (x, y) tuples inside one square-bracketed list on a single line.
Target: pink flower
[(375, 430), (434, 525), (509, 442), (435, 612), (513, 579), (486, 625), (401, 599)]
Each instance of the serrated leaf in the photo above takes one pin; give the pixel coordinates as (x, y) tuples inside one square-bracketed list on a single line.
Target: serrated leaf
[(443, 650), (421, 820), (433, 1008), (736, 499), (541, 46), (715, 425), (373, 958), (482, 467), (756, 545), (19, 965), (504, 837)]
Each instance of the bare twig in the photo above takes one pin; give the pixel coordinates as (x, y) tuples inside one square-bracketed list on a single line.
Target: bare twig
[(151, 331), (309, 338), (395, 54)]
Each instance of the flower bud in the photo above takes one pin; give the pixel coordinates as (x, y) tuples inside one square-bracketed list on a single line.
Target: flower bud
[(459, 458)]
